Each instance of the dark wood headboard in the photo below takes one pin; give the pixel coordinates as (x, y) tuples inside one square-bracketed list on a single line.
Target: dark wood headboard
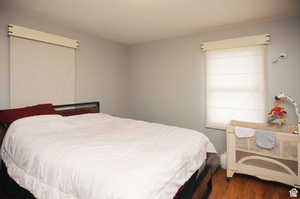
[(78, 108)]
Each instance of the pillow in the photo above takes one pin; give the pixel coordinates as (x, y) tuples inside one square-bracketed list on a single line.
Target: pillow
[(45, 109), (10, 115)]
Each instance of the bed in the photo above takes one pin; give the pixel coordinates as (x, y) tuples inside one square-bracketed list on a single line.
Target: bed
[(106, 157)]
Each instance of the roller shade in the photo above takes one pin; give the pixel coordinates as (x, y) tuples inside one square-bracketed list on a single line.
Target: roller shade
[(236, 85), (40, 73)]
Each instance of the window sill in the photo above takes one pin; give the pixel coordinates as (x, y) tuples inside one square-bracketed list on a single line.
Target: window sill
[(216, 127)]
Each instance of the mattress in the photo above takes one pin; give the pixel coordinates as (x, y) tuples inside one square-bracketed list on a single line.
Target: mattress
[(94, 156)]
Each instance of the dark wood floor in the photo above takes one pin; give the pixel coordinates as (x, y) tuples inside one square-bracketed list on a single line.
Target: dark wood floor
[(241, 187), (246, 187)]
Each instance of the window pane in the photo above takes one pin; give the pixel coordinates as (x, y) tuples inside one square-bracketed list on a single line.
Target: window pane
[(235, 85), (235, 100), (250, 82)]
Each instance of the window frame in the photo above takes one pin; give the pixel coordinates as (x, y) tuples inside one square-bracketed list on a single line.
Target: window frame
[(265, 86)]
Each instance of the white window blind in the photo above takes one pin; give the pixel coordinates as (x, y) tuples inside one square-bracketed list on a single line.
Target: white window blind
[(40, 73), (42, 67), (235, 85)]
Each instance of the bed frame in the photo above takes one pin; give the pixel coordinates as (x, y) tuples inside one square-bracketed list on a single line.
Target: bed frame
[(198, 186)]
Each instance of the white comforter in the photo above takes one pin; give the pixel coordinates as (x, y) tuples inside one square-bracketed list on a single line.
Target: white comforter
[(97, 156)]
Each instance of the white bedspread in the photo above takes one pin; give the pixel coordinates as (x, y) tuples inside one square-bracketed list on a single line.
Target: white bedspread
[(98, 156)]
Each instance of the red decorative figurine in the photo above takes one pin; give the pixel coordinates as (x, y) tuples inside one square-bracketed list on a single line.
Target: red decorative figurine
[(276, 115)]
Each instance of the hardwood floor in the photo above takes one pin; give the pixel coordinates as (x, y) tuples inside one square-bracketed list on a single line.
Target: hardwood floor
[(246, 187), (241, 187)]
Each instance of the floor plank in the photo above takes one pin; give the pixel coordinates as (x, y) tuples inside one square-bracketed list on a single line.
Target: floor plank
[(247, 187)]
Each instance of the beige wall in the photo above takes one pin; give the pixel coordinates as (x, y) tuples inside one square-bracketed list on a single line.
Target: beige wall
[(101, 72), (167, 81)]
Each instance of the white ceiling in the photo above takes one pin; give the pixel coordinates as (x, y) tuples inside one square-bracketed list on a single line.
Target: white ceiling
[(136, 21)]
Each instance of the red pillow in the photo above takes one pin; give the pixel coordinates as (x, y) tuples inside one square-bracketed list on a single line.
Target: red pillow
[(46, 109), (10, 115)]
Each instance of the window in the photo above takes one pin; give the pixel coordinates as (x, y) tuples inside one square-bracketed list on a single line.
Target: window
[(42, 68), (236, 84)]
